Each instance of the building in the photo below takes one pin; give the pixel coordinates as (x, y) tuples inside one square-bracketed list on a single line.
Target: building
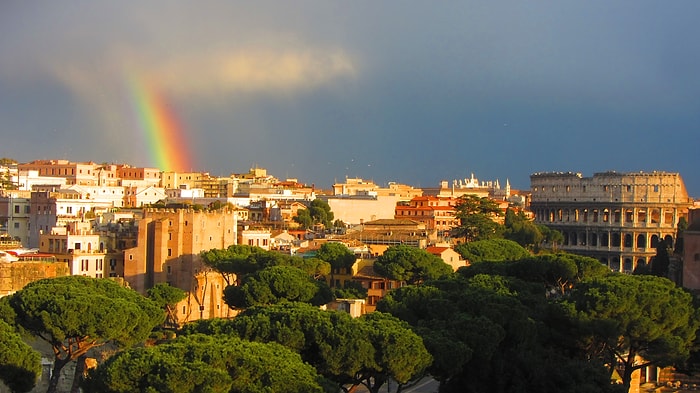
[(167, 251), (691, 252), (617, 218), (449, 255), (381, 234), (436, 212), (14, 214), (78, 246)]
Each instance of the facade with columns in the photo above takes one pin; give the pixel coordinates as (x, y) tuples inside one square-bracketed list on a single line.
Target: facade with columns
[(617, 218)]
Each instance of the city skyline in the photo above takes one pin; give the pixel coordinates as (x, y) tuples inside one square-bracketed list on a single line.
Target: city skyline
[(405, 92)]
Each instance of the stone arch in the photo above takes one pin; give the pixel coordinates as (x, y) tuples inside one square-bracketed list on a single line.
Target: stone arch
[(640, 263), (615, 241), (566, 238), (594, 239), (627, 265), (641, 241), (605, 239), (669, 241), (550, 215), (628, 240), (615, 264), (655, 216), (654, 241), (574, 238)]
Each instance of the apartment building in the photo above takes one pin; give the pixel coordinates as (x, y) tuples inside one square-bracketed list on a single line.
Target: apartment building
[(15, 213), (438, 213), (77, 245), (618, 218), (56, 209), (81, 173), (138, 177)]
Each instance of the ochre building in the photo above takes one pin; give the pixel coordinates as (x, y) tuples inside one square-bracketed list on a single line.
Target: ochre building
[(617, 218)]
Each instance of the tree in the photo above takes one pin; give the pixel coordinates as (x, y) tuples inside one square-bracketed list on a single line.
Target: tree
[(350, 290), (399, 353), (200, 363), (304, 219), (275, 284), (492, 333), (20, 365), (491, 250), (238, 260), (75, 314), (167, 297), (318, 212), (349, 351), (661, 261), (680, 228), (476, 215), (410, 264), (635, 321), (338, 255), (243, 260)]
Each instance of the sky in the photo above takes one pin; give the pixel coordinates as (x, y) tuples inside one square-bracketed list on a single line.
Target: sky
[(395, 91)]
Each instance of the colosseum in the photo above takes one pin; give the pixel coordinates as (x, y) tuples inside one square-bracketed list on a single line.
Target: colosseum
[(617, 218)]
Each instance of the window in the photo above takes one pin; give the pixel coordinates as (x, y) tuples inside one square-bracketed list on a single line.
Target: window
[(16, 225), (170, 252), (16, 208), (69, 209), (26, 209)]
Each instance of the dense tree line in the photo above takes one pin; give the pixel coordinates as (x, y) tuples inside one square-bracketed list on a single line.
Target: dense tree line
[(510, 321)]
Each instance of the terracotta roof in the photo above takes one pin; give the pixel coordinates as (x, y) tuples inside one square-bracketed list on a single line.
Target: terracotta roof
[(436, 250)]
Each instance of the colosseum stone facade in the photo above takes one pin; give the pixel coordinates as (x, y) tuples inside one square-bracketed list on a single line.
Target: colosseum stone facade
[(617, 218)]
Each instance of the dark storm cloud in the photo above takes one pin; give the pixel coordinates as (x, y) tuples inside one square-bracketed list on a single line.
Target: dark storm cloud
[(412, 92)]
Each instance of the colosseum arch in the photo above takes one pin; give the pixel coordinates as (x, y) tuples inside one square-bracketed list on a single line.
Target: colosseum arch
[(641, 241)]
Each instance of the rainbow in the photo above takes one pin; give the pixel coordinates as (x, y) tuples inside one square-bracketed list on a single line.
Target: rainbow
[(164, 137)]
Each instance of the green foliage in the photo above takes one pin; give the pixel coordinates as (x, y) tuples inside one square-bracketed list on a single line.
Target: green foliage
[(410, 264), (330, 341), (491, 250), (350, 290), (242, 260), (492, 333), (318, 212), (662, 260), (399, 353), (275, 284), (556, 273), (304, 218), (20, 365), (167, 297), (75, 314), (366, 350), (476, 215), (627, 316), (337, 254), (199, 363)]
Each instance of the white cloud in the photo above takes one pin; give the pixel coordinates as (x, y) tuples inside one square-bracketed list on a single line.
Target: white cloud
[(254, 70)]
